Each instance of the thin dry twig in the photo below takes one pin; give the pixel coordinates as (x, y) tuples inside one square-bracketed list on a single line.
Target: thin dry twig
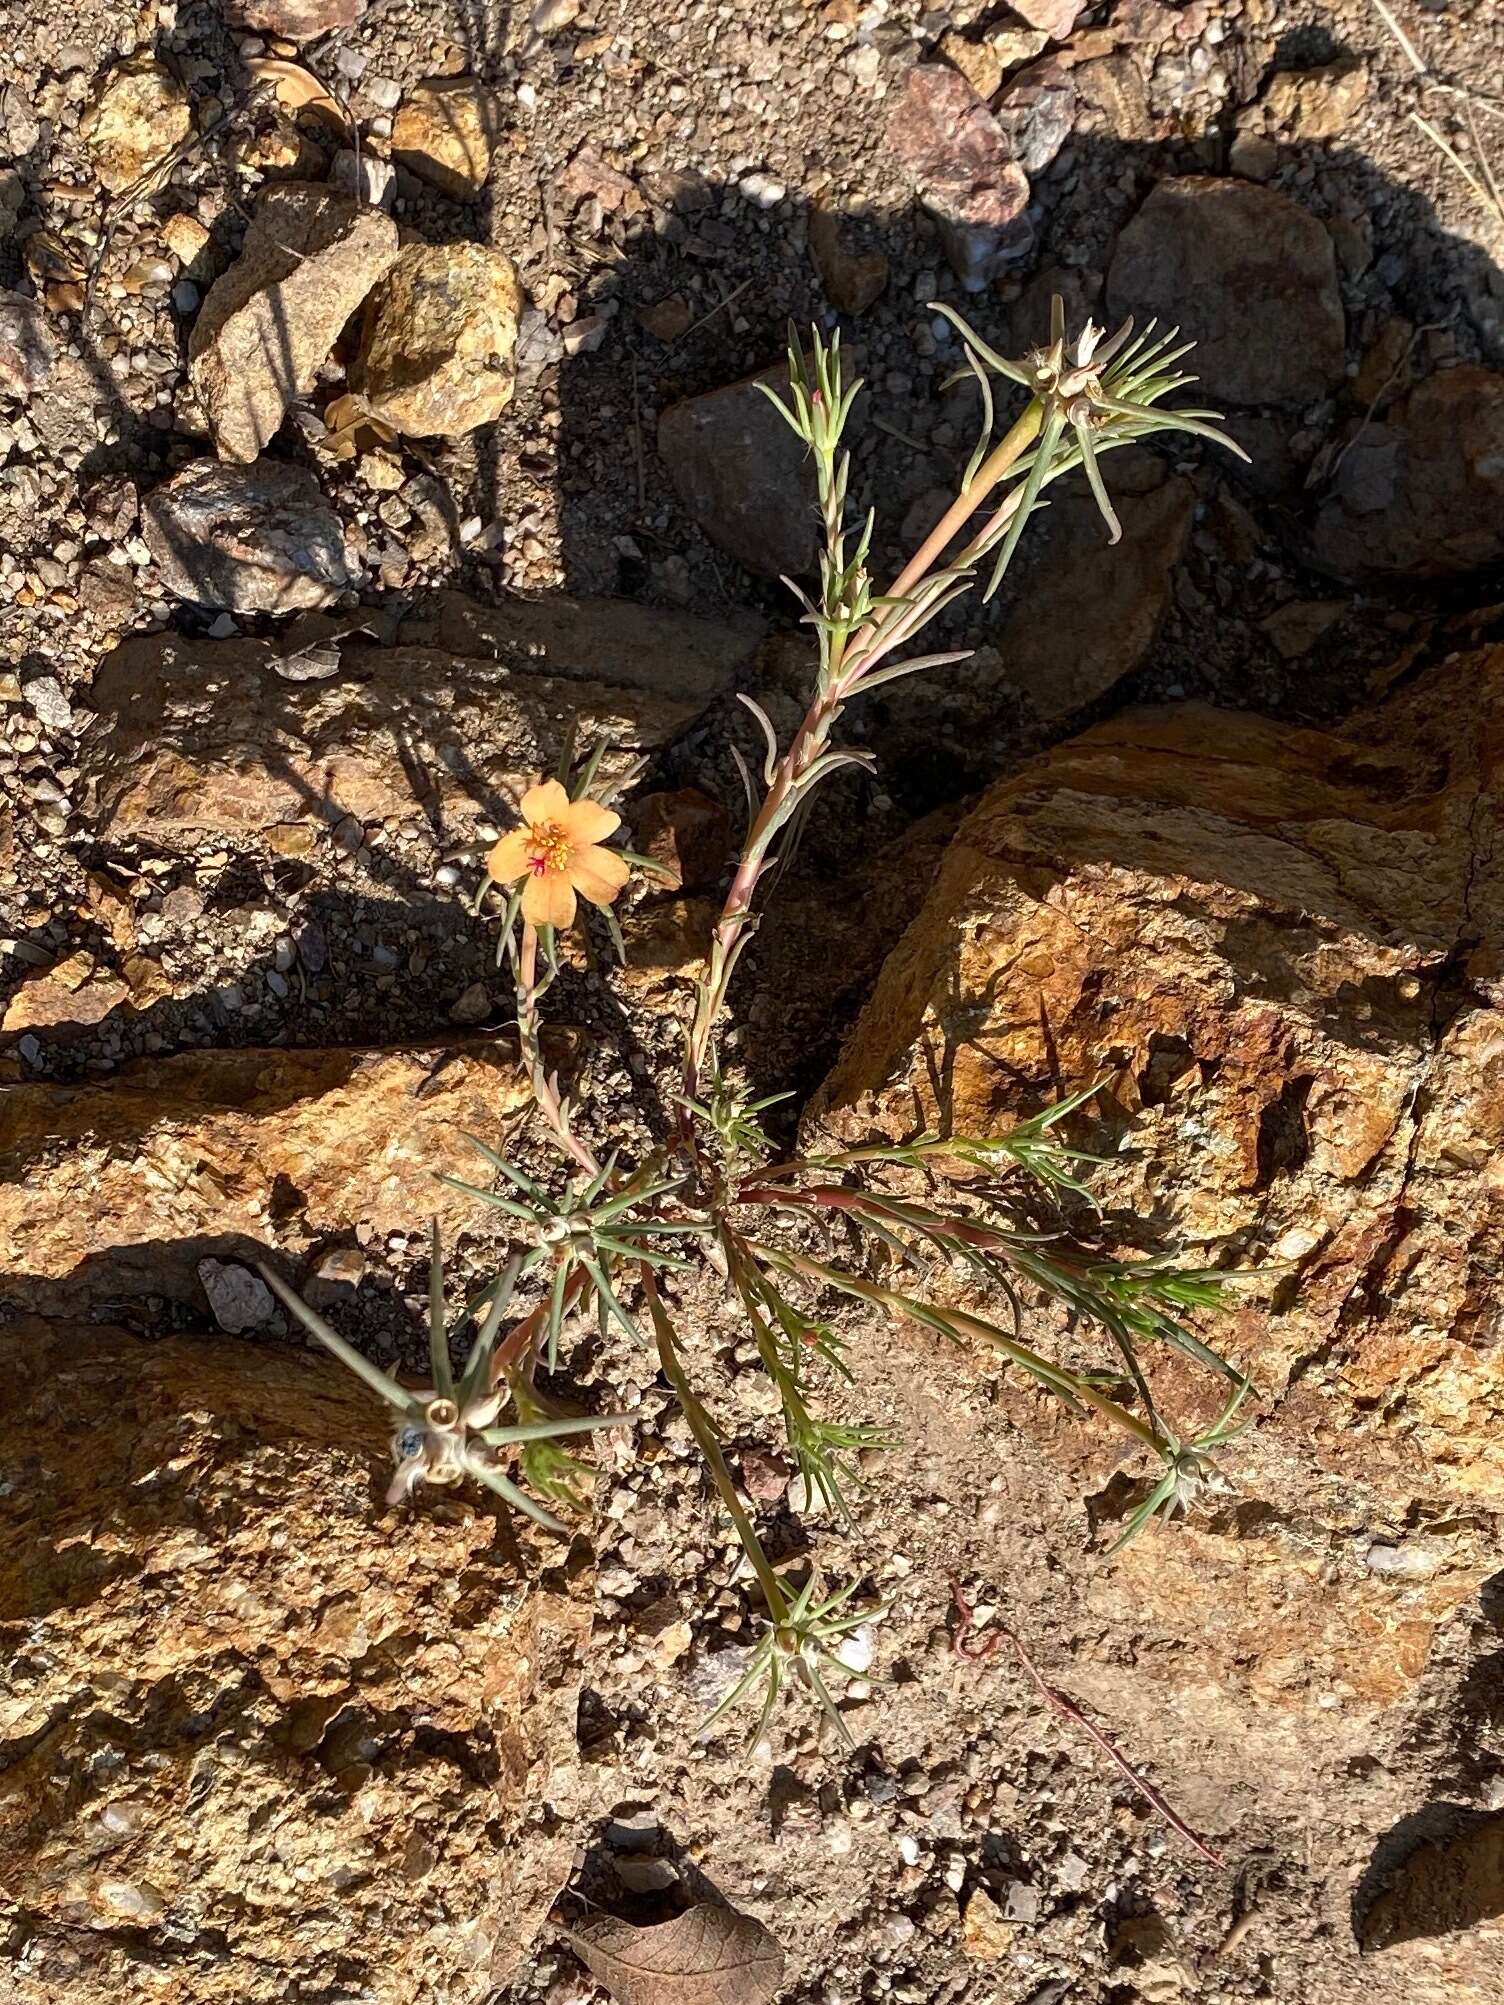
[(720, 307), (1486, 189), (975, 1648)]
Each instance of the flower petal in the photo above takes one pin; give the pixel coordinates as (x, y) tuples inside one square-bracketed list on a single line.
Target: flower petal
[(545, 802), (598, 874), (587, 821), (548, 900), (509, 859)]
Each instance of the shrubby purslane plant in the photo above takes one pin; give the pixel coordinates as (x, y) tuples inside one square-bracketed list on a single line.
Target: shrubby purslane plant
[(608, 1238)]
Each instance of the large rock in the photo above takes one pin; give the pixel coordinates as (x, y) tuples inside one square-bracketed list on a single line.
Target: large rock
[(1421, 495), (264, 1738), (122, 1186), (744, 475), (962, 167), (1249, 275), (246, 539), (1089, 610), (437, 354), (138, 114), (1283, 953), (459, 718), (271, 321), (446, 132)]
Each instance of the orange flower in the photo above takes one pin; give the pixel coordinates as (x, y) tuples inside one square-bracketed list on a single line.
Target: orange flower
[(558, 851)]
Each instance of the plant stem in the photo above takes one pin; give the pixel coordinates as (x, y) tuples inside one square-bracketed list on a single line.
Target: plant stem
[(860, 652), (530, 1039)]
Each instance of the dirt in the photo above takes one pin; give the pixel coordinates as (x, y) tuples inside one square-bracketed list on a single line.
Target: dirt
[(712, 134)]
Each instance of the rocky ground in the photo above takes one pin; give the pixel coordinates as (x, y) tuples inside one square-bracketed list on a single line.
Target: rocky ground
[(337, 342)]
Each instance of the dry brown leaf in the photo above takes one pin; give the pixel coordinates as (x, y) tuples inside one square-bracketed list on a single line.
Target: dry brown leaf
[(706, 1956), (297, 89)]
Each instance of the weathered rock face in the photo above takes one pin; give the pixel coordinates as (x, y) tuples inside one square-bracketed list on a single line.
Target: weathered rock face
[(1421, 495), (1252, 279), (438, 346), (256, 1730), (119, 1187), (744, 476), (246, 539), (446, 132), (270, 323), (1283, 952), (195, 734)]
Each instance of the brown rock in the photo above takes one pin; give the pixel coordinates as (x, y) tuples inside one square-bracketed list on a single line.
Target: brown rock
[(1284, 953), (962, 166), (220, 1554), (195, 734), (1313, 105), (668, 936), (139, 113), (744, 476), (255, 539), (979, 62), (121, 1187), (27, 349), (686, 834), (75, 991), (270, 323), (853, 280), (295, 20), (1422, 495), (436, 356), (1114, 87), (446, 131), (985, 1935), (1091, 609), (667, 319), (1252, 279)]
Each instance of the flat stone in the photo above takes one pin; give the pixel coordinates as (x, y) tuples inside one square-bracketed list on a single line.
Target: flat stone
[(744, 476), (27, 349), (446, 132), (121, 1187), (1249, 275), (206, 1517), (1421, 495), (437, 354), (254, 539), (138, 114), (1054, 18), (458, 719), (271, 321), (963, 169)]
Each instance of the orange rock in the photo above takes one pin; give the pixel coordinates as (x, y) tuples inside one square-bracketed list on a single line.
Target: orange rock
[(216, 1555), (117, 1187)]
